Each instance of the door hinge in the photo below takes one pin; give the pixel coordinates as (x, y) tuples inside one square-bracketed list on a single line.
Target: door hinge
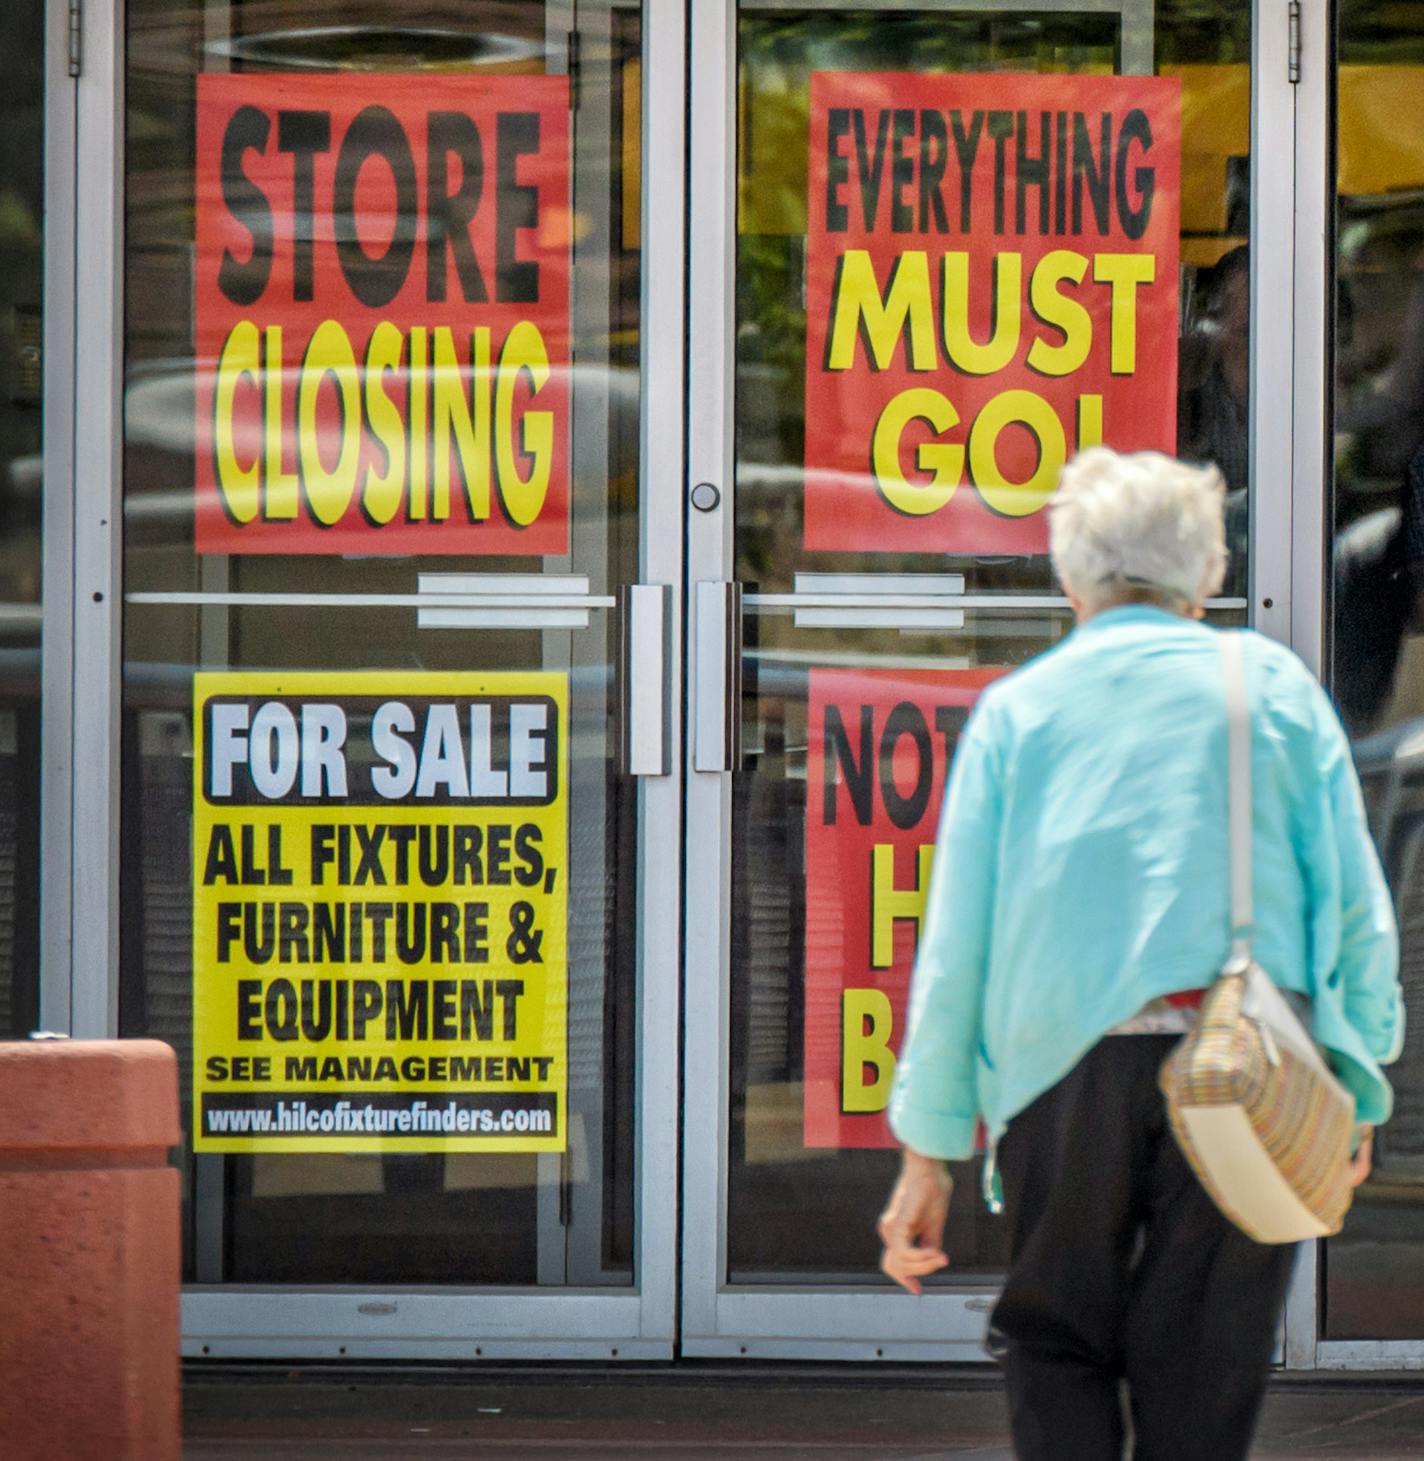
[(76, 37), (1293, 44)]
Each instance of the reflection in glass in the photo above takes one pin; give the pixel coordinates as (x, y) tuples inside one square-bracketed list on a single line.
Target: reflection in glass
[(22, 99), (515, 1218), (1375, 1269), (776, 914)]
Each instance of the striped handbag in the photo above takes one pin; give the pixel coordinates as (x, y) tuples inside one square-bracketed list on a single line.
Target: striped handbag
[(1252, 1103)]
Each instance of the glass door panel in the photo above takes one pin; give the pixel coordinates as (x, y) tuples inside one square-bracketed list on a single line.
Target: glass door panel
[(1374, 1271), (382, 466), (930, 205)]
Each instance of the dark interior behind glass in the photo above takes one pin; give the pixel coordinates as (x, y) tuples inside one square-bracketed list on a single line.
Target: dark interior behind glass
[(1375, 1269)]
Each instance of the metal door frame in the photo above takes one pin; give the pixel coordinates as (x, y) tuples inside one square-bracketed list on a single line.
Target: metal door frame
[(859, 1323), (83, 689)]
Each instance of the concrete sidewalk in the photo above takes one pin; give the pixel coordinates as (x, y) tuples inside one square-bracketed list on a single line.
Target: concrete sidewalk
[(708, 1414)]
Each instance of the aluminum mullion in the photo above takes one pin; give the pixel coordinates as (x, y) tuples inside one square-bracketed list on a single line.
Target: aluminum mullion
[(711, 264), (660, 806), (98, 458), (1276, 591), (1310, 428), (1313, 309), (1272, 211), (56, 645), (1278, 594)]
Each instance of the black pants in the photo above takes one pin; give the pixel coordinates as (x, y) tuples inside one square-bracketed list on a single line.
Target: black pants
[(1122, 1270)]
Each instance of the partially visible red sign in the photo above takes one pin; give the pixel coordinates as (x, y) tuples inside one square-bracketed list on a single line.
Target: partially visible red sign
[(880, 743), (382, 306), (991, 284)]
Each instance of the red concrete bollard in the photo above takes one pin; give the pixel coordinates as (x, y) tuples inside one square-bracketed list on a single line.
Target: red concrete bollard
[(89, 1251)]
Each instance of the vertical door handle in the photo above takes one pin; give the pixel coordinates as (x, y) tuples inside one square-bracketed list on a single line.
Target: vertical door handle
[(645, 652), (717, 671)]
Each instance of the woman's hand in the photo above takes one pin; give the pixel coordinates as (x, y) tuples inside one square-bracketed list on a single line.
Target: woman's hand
[(912, 1225), (1363, 1159)]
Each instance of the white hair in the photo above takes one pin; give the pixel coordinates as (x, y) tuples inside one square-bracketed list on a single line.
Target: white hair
[(1142, 525)]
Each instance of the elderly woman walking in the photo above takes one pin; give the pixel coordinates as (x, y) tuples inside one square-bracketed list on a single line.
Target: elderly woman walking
[(1078, 906)]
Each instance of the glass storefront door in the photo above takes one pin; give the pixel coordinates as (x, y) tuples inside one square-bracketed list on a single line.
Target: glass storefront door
[(956, 242), (396, 809)]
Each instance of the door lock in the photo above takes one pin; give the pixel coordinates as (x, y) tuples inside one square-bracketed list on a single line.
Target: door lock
[(706, 497)]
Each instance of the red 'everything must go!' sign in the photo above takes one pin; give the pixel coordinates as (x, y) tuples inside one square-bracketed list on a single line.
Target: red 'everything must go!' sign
[(991, 284), (880, 743), (382, 307)]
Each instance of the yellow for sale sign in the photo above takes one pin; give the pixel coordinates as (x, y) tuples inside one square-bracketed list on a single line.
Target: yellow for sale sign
[(380, 912)]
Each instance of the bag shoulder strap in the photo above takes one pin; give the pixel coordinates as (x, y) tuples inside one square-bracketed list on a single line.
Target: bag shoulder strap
[(1238, 730)]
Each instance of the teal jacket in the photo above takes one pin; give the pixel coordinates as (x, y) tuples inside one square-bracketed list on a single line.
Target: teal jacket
[(1081, 870)]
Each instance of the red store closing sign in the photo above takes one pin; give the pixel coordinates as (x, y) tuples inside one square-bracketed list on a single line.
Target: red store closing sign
[(991, 284), (880, 744), (382, 314)]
